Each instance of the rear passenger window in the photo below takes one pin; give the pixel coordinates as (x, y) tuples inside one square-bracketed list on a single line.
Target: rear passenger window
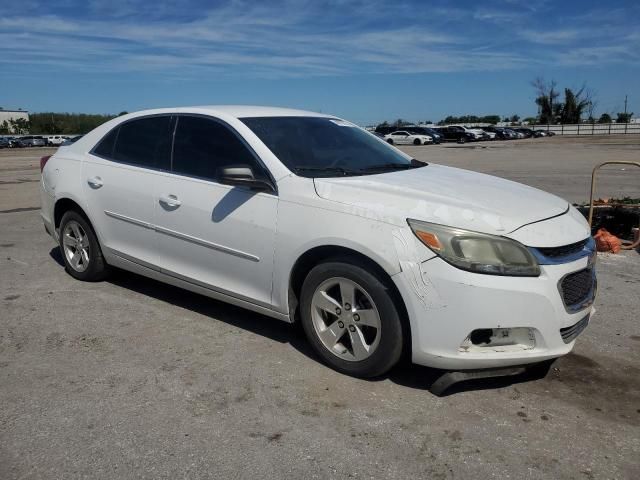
[(105, 147), (145, 142), (202, 146)]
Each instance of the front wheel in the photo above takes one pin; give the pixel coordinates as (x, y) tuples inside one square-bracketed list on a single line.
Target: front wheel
[(351, 320), (417, 142), (390, 141)]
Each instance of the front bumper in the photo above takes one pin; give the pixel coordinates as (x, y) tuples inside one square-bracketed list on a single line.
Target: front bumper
[(446, 304)]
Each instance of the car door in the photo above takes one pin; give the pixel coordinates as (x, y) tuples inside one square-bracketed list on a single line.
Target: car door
[(398, 137), (118, 176), (219, 236), (405, 138)]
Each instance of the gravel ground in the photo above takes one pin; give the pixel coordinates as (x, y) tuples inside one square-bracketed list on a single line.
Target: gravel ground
[(131, 378)]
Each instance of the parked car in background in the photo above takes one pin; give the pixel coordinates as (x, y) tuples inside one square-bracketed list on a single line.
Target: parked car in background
[(502, 133), (4, 142), (31, 141), (72, 140), (56, 139), (527, 132), (457, 134), (479, 133), (510, 134), (418, 130), (403, 137), (306, 217), (499, 132)]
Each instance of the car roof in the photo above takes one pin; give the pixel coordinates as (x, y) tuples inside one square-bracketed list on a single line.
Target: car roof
[(237, 111)]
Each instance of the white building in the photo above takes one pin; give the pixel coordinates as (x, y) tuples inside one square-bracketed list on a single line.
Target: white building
[(8, 115)]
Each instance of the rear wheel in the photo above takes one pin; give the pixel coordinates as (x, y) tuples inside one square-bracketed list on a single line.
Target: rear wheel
[(350, 319), (80, 248)]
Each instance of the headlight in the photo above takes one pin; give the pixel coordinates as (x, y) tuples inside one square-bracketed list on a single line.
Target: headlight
[(476, 252)]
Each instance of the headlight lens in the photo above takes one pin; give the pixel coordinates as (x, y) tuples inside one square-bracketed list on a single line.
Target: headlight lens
[(476, 252)]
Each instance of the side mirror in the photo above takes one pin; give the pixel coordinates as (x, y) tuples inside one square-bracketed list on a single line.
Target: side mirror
[(242, 175)]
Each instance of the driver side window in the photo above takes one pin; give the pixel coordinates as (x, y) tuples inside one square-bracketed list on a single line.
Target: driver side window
[(203, 145)]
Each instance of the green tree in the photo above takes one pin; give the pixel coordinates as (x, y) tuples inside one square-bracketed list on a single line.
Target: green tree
[(4, 128), (66, 123), (493, 119), (574, 105), (546, 99), (514, 118), (19, 126), (605, 118), (400, 122), (624, 117)]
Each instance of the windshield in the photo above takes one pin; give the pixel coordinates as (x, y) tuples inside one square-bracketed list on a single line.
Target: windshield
[(326, 147)]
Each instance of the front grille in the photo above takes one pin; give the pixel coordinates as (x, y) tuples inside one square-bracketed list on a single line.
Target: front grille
[(563, 251), (576, 288), (569, 334)]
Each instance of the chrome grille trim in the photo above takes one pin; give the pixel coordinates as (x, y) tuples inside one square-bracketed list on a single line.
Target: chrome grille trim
[(565, 253)]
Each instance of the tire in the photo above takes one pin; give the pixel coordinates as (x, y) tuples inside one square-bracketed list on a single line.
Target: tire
[(80, 249), (390, 141), (373, 319), (462, 140), (417, 142)]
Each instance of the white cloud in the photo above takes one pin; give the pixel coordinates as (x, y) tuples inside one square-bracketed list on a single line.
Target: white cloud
[(297, 39)]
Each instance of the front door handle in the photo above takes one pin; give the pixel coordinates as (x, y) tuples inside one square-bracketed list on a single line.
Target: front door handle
[(95, 182), (170, 201)]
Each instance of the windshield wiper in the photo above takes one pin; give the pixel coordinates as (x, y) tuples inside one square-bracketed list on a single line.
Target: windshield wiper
[(340, 170), (395, 166)]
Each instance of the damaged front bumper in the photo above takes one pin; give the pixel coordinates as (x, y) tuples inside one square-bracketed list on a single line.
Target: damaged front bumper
[(462, 320)]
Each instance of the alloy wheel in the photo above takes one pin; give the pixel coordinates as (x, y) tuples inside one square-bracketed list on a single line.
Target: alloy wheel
[(76, 246), (345, 319)]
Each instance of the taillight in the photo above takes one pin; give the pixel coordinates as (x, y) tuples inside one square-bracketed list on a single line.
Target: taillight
[(43, 162)]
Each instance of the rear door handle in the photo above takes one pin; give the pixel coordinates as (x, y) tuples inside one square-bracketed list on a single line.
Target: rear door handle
[(170, 201), (95, 182)]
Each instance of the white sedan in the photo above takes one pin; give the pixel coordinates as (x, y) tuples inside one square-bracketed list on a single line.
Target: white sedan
[(307, 218), (402, 137)]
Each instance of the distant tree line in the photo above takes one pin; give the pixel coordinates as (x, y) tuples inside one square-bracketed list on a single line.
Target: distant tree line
[(492, 119), (577, 106), (464, 119), (55, 123)]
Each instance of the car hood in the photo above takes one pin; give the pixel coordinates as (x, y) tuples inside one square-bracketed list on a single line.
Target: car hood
[(443, 195)]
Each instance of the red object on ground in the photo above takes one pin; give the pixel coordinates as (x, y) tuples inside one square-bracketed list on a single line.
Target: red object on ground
[(607, 242)]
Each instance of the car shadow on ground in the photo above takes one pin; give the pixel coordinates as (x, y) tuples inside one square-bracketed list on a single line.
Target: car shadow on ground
[(405, 373)]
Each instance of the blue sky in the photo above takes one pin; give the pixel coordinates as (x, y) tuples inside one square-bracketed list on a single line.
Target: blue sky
[(364, 60)]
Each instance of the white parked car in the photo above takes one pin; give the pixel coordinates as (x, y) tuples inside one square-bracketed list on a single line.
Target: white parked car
[(306, 217), (490, 134), (55, 139), (402, 137)]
